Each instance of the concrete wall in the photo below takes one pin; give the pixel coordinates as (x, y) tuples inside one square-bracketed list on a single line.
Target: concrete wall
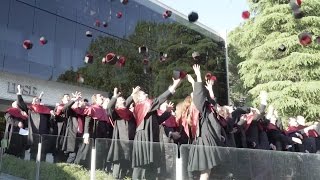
[(53, 91)]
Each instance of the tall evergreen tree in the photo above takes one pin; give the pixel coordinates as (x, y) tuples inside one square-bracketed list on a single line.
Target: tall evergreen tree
[(291, 75)]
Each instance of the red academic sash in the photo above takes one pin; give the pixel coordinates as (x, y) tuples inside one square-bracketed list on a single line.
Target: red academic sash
[(96, 112), (41, 109), (140, 110), (17, 113)]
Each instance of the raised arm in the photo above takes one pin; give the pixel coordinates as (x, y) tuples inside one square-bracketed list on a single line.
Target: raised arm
[(211, 98), (129, 100), (113, 100), (199, 98), (21, 104), (166, 114), (164, 96)]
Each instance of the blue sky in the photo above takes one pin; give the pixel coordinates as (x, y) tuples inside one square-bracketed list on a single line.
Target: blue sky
[(220, 15)]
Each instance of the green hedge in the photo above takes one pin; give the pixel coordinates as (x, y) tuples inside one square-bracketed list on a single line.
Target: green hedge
[(48, 171)]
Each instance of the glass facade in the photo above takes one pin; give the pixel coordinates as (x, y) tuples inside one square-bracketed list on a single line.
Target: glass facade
[(64, 24)]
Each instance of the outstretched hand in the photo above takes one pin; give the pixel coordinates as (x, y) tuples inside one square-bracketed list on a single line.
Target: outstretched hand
[(115, 92), (209, 84), (19, 89), (196, 69), (170, 107), (76, 96), (190, 79), (135, 90)]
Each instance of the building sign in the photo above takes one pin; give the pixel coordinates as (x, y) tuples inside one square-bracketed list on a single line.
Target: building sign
[(26, 90)]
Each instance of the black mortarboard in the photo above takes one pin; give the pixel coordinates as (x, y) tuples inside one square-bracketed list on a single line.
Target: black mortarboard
[(193, 17), (196, 55), (317, 40), (104, 24), (282, 48), (89, 34), (143, 50), (163, 57)]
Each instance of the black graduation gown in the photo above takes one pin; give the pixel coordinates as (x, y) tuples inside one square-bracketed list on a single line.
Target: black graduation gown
[(16, 142), (145, 152), (203, 155), (278, 138), (96, 129), (123, 132), (70, 128), (37, 123), (240, 135)]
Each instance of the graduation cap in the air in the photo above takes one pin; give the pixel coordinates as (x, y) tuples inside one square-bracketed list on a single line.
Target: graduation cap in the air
[(97, 23), (196, 55), (89, 34), (317, 40), (80, 79), (121, 61), (124, 1), (143, 50), (193, 17), (209, 76), (110, 58), (163, 57), (88, 59), (305, 38), (167, 14), (119, 14), (245, 14), (104, 24), (43, 40), (282, 48), (297, 14), (177, 74), (145, 61), (27, 44), (295, 6)]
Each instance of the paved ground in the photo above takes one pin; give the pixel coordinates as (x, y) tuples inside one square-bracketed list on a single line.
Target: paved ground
[(9, 177)]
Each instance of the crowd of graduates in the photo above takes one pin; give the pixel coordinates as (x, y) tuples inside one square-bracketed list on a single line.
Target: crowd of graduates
[(137, 127)]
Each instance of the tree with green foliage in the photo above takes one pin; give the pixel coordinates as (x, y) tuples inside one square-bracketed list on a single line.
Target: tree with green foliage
[(178, 41), (292, 77)]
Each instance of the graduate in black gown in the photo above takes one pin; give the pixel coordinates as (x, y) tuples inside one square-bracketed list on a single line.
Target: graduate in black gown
[(15, 119), (203, 158), (278, 139), (145, 156), (69, 132), (97, 125), (58, 118), (38, 124), (124, 130)]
